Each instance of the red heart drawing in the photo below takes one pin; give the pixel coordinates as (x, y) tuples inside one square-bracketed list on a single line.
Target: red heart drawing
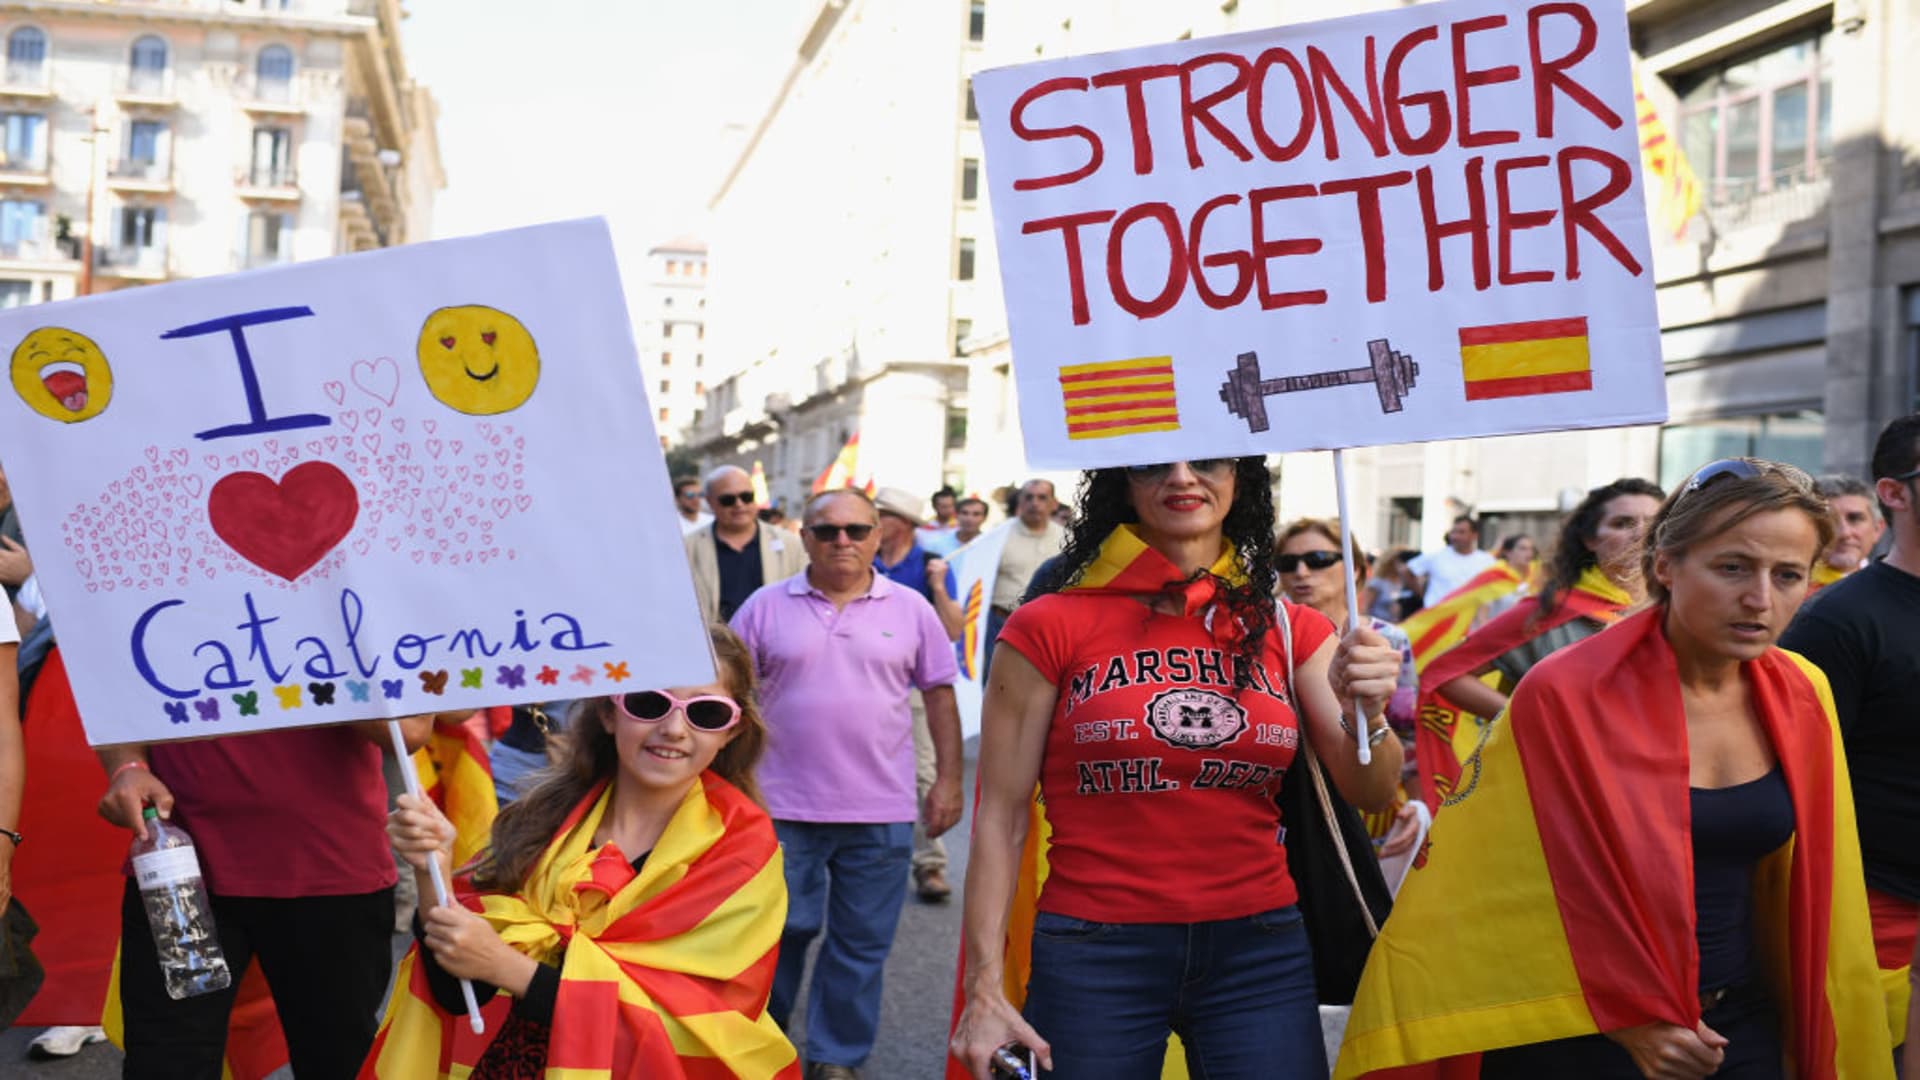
[(284, 528), (446, 342)]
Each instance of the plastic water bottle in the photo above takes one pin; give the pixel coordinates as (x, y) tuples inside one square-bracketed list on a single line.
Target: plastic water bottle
[(168, 873)]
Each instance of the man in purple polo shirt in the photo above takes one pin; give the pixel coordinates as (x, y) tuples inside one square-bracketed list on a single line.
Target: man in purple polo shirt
[(837, 649)]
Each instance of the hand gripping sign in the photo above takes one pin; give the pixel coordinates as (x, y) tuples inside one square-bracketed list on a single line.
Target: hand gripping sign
[(1419, 224)]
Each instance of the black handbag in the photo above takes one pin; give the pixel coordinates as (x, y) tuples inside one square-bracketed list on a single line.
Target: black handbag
[(1343, 895)]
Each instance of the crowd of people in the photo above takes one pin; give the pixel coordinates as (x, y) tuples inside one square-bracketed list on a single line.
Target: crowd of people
[(1659, 773)]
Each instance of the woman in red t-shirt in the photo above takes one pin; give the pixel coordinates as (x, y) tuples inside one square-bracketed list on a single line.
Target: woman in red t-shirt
[(1146, 691)]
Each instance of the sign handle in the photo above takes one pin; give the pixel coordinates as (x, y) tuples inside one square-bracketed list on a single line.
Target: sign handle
[(1360, 732), (440, 892)]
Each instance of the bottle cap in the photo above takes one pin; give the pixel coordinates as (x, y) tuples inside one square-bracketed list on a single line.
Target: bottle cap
[(148, 813)]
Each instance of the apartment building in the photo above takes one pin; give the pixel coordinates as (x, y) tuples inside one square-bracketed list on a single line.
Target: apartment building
[(672, 331), (1789, 304), (152, 139)]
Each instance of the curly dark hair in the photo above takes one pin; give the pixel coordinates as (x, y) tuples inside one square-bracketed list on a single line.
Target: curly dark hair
[(1104, 503), (1571, 556)]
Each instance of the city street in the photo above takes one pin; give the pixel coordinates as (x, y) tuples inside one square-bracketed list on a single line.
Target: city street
[(913, 1023)]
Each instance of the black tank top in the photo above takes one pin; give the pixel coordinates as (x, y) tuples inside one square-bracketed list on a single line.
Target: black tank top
[(1733, 828)]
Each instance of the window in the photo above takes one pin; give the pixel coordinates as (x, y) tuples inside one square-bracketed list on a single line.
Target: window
[(272, 157), (140, 226), (699, 359), (666, 330), (700, 332), (25, 146), (27, 57), (147, 65), (977, 20), (269, 238), (1794, 437), (22, 227), (273, 73), (969, 179), (666, 301), (666, 359), (973, 111), (965, 271), (663, 414), (1759, 124), (665, 386), (143, 149), (15, 294), (962, 329)]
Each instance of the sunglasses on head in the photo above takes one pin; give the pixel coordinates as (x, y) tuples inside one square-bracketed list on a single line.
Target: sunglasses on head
[(732, 497), (1315, 560), (826, 533), (1211, 468), (707, 712)]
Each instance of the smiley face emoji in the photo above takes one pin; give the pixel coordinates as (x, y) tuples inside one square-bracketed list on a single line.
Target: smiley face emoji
[(62, 375), (478, 360)]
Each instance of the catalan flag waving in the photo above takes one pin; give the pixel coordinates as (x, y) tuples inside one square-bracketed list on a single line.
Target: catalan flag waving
[(664, 971), (1523, 358), (1671, 180), (1121, 397), (1573, 853)]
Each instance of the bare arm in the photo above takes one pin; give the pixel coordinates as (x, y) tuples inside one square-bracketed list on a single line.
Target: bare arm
[(463, 943), (1015, 718), (131, 786), (1469, 693), (1362, 667), (952, 619), (13, 764), (942, 810)]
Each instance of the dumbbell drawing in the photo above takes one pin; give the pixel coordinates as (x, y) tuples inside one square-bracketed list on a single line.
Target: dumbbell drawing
[(1391, 373)]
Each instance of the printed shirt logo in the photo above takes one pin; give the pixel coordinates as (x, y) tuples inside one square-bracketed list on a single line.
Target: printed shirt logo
[(1195, 719)]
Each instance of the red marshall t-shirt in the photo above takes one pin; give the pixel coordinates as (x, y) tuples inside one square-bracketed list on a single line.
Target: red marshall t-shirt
[(1159, 778)]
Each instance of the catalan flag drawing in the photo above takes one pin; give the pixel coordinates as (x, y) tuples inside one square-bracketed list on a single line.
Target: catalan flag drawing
[(1119, 397), (1517, 359), (970, 636)]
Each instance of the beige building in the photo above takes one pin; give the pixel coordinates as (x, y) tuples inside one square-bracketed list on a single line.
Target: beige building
[(1790, 305), (672, 332), (187, 138)]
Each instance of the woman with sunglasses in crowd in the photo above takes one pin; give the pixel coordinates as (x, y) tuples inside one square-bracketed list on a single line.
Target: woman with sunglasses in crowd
[(638, 884), (1661, 825), (1146, 691), (1310, 572)]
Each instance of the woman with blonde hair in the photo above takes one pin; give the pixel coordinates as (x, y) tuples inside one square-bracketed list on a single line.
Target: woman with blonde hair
[(1660, 824), (630, 904)]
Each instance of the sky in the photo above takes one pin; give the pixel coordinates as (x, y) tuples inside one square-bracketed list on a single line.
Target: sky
[(629, 109)]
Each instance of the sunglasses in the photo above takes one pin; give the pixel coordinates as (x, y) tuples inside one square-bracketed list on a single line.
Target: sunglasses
[(1315, 560), (1211, 468), (1735, 467), (1905, 476), (732, 497), (708, 712), (827, 533)]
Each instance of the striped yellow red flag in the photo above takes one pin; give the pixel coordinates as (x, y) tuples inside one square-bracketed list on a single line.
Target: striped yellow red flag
[(970, 637), (1547, 356), (840, 474), (1119, 397), (456, 773), (1676, 191), (1439, 627), (761, 497)]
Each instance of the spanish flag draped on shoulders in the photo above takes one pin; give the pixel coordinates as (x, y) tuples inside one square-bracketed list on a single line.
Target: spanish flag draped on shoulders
[(1445, 736), (664, 971), (1570, 845)]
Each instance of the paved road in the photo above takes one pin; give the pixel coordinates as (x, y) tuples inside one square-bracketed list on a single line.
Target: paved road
[(913, 1021)]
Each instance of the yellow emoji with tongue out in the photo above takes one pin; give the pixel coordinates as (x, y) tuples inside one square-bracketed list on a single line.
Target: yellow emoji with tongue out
[(62, 375), (478, 360)]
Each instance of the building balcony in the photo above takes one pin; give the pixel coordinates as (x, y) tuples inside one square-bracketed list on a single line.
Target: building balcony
[(270, 97), (270, 183), (26, 80), (25, 172), (132, 263), (357, 229), (34, 252), (144, 87), (133, 174)]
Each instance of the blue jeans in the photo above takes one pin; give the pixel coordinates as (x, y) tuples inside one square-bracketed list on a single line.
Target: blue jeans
[(867, 867), (1239, 992)]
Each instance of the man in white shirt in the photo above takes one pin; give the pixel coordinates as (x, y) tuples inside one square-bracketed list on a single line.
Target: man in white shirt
[(1447, 569), (1033, 537), (686, 499)]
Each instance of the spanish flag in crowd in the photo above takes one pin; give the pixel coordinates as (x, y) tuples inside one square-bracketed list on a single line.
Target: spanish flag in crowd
[(1127, 566), (1434, 630), (663, 972), (1572, 851), (1120, 397), (456, 774), (844, 471), (1445, 736), (1504, 360)]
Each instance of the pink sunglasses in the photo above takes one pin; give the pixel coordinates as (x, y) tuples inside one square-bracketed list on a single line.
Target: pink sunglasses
[(707, 712)]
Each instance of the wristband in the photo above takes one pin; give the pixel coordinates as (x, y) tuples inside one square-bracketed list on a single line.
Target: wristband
[(124, 766), (1374, 734)]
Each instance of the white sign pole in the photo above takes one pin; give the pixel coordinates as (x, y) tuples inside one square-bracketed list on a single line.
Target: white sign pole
[(1360, 732), (440, 892)]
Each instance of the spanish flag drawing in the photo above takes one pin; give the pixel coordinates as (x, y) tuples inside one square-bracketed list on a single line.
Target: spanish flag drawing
[(1573, 853), (1523, 358), (1120, 397)]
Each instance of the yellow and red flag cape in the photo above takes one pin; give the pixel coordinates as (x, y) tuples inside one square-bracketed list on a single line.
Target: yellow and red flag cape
[(1125, 565), (1573, 851), (665, 970), (1434, 630), (1445, 735), (456, 773)]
